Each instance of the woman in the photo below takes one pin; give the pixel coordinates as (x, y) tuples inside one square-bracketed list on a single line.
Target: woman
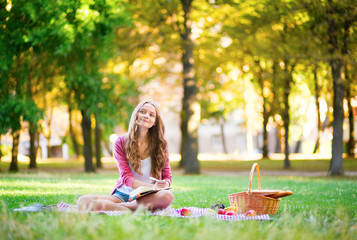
[(140, 154)]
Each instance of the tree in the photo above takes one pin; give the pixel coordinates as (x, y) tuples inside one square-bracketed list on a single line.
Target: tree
[(350, 75), (287, 83), (10, 113), (270, 32), (92, 30), (350, 78), (191, 110), (12, 110), (242, 41), (18, 20), (339, 17), (179, 16), (314, 58), (317, 96)]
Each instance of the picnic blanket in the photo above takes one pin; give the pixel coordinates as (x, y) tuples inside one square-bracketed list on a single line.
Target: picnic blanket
[(168, 212)]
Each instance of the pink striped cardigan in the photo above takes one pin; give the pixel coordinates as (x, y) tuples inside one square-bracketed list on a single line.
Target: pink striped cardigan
[(126, 177)]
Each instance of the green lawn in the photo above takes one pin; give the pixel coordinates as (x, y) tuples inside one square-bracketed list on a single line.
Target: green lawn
[(321, 208)]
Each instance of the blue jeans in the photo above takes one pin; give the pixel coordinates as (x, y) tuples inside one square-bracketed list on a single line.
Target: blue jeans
[(122, 196)]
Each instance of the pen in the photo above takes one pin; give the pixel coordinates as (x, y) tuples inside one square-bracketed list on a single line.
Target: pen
[(154, 179)]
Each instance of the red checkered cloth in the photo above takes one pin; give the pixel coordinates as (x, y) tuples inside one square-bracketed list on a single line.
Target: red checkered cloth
[(172, 212)]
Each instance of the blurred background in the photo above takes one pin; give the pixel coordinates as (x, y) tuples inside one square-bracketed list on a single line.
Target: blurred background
[(235, 80)]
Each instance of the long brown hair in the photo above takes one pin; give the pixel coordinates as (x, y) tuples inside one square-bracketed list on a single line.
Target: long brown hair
[(157, 143)]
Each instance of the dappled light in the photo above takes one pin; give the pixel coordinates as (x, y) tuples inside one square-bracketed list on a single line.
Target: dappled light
[(223, 86), (247, 81)]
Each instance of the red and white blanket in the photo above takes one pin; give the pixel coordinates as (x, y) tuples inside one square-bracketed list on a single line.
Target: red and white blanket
[(172, 212)]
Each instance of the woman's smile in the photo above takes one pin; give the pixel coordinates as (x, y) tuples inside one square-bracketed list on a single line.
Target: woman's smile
[(147, 115)]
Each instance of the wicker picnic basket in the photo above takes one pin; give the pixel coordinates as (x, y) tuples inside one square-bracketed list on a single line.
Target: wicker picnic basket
[(250, 200)]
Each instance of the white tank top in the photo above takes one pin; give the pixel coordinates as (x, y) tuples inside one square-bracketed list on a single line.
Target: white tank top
[(145, 177)]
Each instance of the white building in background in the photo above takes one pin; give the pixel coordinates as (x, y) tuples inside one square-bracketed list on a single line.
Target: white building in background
[(57, 148), (59, 128)]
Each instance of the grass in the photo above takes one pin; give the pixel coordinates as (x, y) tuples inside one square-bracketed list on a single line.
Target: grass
[(321, 208)]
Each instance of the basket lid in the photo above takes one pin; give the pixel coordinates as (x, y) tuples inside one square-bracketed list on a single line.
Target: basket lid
[(265, 191), (272, 193)]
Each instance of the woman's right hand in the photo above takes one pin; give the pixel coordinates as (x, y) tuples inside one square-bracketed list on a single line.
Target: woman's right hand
[(161, 184)]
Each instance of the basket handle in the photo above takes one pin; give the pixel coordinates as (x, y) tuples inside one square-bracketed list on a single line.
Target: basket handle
[(255, 166)]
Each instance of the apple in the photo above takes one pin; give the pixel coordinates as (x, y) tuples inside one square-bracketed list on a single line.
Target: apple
[(250, 213), (230, 213), (221, 211), (186, 212)]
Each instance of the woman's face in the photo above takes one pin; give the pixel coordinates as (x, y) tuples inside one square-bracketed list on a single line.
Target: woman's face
[(146, 116)]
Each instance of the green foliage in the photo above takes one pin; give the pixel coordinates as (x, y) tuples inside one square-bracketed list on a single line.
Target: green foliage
[(25, 36), (92, 27), (76, 46), (52, 41), (13, 109)]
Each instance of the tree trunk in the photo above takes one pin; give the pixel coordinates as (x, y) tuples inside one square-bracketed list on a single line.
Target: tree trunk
[(33, 148), (275, 100), (317, 96), (48, 146), (336, 164), (286, 115), (351, 141), (98, 148), (221, 124), (38, 142), (48, 135), (87, 137), (265, 130), (286, 138), (15, 151), (183, 127), (191, 107), (32, 126), (265, 113), (72, 134)]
